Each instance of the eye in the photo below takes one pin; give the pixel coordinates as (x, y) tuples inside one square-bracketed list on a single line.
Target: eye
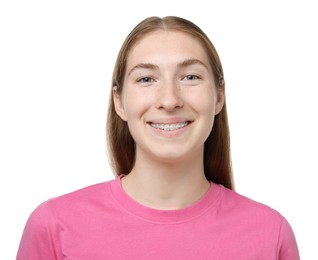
[(191, 77), (145, 80)]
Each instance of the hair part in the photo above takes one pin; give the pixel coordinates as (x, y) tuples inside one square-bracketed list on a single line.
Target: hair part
[(121, 145)]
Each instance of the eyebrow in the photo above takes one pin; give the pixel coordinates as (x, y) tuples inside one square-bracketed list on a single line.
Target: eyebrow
[(185, 63), (189, 62), (144, 66)]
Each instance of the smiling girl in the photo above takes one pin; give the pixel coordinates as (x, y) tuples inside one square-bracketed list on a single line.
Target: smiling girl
[(168, 138)]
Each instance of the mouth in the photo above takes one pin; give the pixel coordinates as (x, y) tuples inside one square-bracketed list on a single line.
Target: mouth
[(170, 127)]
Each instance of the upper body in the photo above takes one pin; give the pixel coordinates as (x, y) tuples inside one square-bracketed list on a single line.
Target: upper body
[(102, 222), (167, 130)]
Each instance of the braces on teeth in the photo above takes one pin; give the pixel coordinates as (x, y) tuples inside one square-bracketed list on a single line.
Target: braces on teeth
[(169, 127)]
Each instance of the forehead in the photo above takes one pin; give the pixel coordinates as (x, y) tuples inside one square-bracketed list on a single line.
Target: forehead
[(166, 46)]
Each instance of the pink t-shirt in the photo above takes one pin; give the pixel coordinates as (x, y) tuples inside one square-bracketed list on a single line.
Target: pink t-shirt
[(102, 222)]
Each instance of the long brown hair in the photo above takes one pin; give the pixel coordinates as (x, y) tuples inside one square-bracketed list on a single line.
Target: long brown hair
[(121, 146)]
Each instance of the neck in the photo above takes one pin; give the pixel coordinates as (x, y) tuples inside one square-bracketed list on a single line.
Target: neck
[(166, 185)]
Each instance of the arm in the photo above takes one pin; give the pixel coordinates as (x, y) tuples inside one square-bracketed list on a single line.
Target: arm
[(287, 247), (38, 239)]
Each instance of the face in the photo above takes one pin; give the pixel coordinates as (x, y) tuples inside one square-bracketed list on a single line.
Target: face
[(169, 97)]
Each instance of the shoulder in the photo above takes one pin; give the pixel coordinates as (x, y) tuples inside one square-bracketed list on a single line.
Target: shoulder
[(72, 203), (243, 205), (247, 214), (259, 220), (261, 224), (41, 238), (83, 194)]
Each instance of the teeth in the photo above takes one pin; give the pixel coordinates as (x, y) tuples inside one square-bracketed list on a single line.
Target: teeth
[(170, 127)]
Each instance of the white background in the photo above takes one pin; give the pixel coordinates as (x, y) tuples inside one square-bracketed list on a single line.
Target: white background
[(56, 61)]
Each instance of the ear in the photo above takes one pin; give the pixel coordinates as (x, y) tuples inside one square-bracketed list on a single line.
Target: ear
[(220, 91), (118, 103)]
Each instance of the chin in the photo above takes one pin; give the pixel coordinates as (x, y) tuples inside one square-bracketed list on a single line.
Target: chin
[(172, 157)]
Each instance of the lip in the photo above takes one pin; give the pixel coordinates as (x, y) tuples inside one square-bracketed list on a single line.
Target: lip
[(170, 120)]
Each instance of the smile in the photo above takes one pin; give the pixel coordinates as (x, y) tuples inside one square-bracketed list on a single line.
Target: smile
[(170, 127)]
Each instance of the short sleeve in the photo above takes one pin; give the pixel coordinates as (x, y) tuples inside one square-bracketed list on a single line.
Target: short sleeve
[(288, 249), (38, 240)]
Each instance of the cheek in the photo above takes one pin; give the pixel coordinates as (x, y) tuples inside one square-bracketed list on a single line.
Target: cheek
[(136, 104), (204, 103)]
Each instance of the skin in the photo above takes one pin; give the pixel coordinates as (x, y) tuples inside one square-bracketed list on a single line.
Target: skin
[(168, 84)]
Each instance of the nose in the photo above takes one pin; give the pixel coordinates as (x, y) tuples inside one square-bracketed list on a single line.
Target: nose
[(169, 97)]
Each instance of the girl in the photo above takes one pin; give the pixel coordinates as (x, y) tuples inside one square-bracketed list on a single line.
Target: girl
[(168, 138)]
